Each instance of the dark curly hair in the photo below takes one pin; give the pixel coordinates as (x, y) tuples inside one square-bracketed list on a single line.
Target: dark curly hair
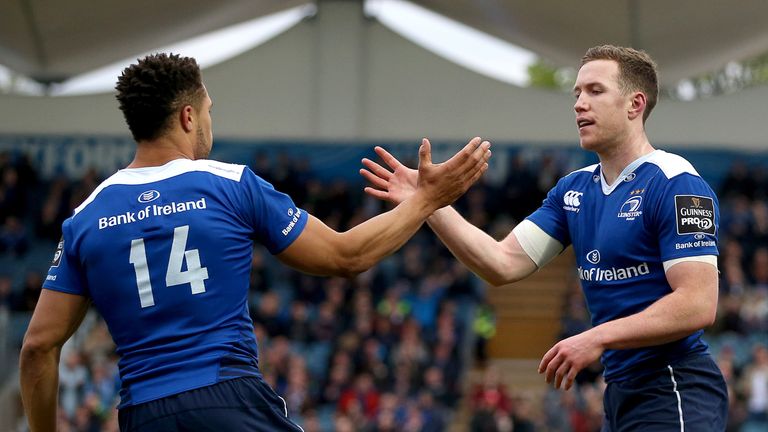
[(637, 71), (151, 90)]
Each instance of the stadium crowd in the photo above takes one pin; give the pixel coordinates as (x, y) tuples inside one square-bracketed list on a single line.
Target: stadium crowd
[(387, 350)]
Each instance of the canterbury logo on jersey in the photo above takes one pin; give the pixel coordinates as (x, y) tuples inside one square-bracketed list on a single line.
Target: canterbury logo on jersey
[(572, 200)]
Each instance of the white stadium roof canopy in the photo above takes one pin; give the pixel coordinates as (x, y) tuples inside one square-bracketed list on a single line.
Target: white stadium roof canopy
[(51, 40)]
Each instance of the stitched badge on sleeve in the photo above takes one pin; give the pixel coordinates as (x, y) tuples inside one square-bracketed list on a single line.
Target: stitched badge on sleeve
[(57, 254), (694, 214)]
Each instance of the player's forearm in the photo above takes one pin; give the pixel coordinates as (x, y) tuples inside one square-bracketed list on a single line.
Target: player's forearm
[(671, 318), (39, 386), (366, 244), (480, 252)]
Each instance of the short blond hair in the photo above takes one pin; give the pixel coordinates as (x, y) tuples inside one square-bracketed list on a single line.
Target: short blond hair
[(637, 71)]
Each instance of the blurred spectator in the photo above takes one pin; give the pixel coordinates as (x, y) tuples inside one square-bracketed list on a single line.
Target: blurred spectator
[(522, 415), (311, 422), (424, 301), (260, 278), (755, 385), (299, 328), (276, 361), (393, 306), (49, 220), (759, 269), (362, 395), (72, 380), (87, 418), (484, 327), (30, 292), (737, 181), (297, 390), (517, 189), (326, 325), (12, 197), (339, 378), (6, 292), (343, 423), (491, 394), (433, 414), (733, 277), (372, 359), (754, 310), (411, 351), (13, 237), (462, 283), (268, 314), (104, 384)]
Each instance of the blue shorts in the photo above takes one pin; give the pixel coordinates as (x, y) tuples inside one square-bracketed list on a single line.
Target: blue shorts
[(239, 404), (688, 395)]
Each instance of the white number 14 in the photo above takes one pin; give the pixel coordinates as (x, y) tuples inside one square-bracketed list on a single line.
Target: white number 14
[(195, 275)]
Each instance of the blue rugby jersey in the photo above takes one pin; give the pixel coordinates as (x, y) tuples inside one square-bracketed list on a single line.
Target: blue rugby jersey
[(165, 254), (658, 210)]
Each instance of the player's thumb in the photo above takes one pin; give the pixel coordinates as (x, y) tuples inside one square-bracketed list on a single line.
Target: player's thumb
[(425, 153)]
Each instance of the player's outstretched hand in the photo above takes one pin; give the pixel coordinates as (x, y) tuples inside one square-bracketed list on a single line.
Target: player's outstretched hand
[(443, 183), (448, 180), (395, 184)]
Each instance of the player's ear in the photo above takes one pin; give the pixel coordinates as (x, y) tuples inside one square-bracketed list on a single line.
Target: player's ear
[(637, 105), (186, 118)]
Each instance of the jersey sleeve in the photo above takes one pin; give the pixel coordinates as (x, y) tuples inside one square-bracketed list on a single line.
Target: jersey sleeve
[(65, 274), (275, 219), (686, 218), (551, 218)]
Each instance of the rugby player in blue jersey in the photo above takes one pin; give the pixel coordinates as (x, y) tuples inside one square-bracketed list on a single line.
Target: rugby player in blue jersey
[(643, 225), (163, 250)]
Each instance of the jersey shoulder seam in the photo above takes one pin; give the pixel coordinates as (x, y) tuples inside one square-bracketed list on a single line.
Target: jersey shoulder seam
[(589, 169), (672, 165), (139, 176)]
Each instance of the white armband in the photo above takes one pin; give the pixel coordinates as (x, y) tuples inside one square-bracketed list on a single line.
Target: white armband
[(709, 259), (540, 246)]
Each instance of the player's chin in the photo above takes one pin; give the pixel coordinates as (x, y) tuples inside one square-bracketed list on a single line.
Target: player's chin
[(585, 144), (588, 143)]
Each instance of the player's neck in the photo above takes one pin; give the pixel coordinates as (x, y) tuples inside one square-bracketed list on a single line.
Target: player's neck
[(614, 160), (159, 152)]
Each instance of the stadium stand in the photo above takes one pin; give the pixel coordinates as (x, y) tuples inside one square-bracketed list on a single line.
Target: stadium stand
[(411, 345)]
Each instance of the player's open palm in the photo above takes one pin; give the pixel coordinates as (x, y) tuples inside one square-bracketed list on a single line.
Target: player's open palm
[(444, 182), (395, 184)]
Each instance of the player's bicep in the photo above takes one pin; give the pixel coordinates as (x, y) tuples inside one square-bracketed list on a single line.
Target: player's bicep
[(57, 315), (697, 281), (314, 251)]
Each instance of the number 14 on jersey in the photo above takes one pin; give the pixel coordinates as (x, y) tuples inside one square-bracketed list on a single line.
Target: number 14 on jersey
[(195, 274)]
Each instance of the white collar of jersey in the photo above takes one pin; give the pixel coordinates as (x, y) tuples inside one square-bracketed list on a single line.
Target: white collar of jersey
[(629, 169), (150, 171), (134, 176), (137, 176)]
